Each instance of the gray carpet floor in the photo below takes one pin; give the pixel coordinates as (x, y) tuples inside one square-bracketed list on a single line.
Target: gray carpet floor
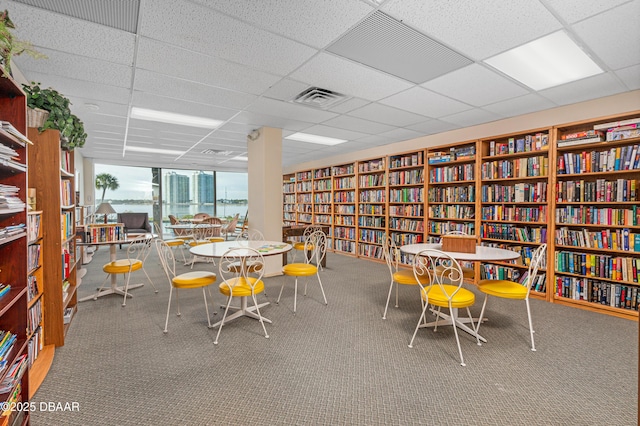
[(339, 364)]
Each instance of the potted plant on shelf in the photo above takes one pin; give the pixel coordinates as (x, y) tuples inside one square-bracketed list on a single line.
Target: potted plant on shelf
[(72, 134), (10, 46)]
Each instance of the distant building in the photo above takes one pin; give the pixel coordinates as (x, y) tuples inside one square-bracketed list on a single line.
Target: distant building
[(202, 188), (176, 188)]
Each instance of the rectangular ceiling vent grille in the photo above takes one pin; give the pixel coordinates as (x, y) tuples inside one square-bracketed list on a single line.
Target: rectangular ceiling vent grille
[(217, 152), (319, 98), (119, 14)]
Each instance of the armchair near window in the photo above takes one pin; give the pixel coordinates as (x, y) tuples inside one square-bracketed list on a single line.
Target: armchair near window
[(135, 223)]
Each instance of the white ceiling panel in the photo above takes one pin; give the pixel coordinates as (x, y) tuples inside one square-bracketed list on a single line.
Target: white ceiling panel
[(464, 85), (285, 89), (349, 78), (630, 76), (476, 28), (614, 36), (387, 115), (79, 88), (333, 132), (471, 117), (89, 109), (575, 10), (375, 140), (257, 120), (358, 125), (66, 34), (181, 106), (594, 87), (290, 110), (425, 102), (204, 30), (521, 105), (193, 66), (147, 81), (399, 134), (348, 105), (309, 21), (431, 127)]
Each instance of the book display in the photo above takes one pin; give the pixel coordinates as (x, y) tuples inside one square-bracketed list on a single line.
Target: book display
[(575, 187), (289, 199), (14, 337), (344, 208), (54, 182), (372, 207), (597, 217)]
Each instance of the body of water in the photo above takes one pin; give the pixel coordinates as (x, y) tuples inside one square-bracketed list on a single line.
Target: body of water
[(181, 210)]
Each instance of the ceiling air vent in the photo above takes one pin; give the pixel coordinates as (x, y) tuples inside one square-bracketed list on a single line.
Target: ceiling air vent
[(319, 98), (216, 152)]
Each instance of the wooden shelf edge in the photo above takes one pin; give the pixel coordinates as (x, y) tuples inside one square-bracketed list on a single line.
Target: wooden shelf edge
[(40, 368)]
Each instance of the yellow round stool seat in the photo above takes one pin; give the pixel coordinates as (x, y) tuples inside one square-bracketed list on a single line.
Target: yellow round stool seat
[(462, 299), (241, 287), (174, 243), (300, 246), (216, 240), (122, 266), (194, 279), (300, 269), (503, 288), (467, 273), (405, 276)]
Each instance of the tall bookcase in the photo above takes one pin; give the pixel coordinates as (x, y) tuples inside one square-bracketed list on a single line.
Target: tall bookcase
[(13, 243), (597, 218), (289, 199), (372, 207), (344, 208), (304, 197), (54, 181), (515, 172)]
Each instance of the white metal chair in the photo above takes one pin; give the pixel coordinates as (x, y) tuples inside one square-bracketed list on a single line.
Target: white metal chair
[(444, 290), (188, 280), (244, 282), (315, 248), (230, 228), (173, 243), (250, 235), (391, 255), (515, 290)]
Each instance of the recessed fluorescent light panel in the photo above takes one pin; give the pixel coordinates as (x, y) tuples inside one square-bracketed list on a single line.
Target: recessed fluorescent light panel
[(547, 62), (322, 140), (173, 118), (240, 158), (153, 150)]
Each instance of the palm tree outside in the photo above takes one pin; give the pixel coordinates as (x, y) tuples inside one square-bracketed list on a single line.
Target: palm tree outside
[(106, 181)]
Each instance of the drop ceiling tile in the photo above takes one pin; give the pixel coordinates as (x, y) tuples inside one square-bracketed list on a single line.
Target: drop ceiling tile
[(147, 81), (401, 134), (486, 27), (431, 127), (376, 140), (475, 85), (259, 120), (228, 136), (348, 105), (308, 21), (425, 102), (589, 88), (521, 105), (237, 128), (161, 103), (290, 110), (333, 132), (193, 66), (349, 78), (575, 10), (285, 89), (104, 109), (471, 117), (611, 34), (65, 34), (209, 32), (630, 76), (70, 87), (387, 115), (358, 125)]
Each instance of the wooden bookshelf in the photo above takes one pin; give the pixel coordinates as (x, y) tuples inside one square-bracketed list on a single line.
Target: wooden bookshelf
[(304, 197), (372, 206), (289, 199), (344, 208), (54, 182)]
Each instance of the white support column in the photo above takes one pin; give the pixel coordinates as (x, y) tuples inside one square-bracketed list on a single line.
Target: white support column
[(89, 180), (265, 189)]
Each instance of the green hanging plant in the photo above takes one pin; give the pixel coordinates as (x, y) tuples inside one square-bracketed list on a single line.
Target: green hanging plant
[(10, 46)]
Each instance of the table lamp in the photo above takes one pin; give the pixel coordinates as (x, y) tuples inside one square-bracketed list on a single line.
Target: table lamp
[(105, 209)]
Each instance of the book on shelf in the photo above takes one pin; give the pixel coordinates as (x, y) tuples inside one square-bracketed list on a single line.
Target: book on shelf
[(614, 124), (4, 289), (8, 127)]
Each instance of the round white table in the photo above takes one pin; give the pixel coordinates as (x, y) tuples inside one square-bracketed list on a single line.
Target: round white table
[(265, 248), (482, 253)]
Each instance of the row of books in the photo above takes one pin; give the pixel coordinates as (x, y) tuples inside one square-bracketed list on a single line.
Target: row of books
[(14, 374), (103, 233), (600, 190), (9, 199), (304, 187), (35, 345), (406, 177), (345, 209), (345, 246), (371, 165), (34, 317), (306, 175), (373, 209), (600, 292), (519, 193), (369, 250), (407, 225), (370, 236), (457, 173), (616, 268), (415, 159), (515, 145), (456, 211), (441, 228), (503, 231), (344, 197), (371, 221), (452, 194), (406, 195), (7, 341), (411, 210), (401, 239), (67, 226), (322, 173), (372, 196), (515, 168), (515, 214), (32, 287), (371, 180), (590, 215), (322, 219), (344, 183), (322, 185), (4, 289), (608, 160), (322, 198), (33, 227), (288, 188), (618, 130), (345, 220), (607, 239), (345, 233), (498, 272), (581, 137), (304, 198), (12, 230), (343, 170), (526, 252), (322, 208), (33, 257)]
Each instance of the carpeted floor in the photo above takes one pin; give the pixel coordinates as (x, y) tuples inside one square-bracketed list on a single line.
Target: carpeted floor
[(340, 364)]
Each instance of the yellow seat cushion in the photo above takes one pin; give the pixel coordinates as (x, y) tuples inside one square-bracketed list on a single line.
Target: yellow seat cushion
[(174, 243), (467, 273), (194, 279), (216, 240), (405, 276), (503, 288), (194, 243), (122, 266), (462, 299), (299, 269), (300, 246), (241, 287)]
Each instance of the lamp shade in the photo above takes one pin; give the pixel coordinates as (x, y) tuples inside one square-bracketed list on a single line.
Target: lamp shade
[(105, 208)]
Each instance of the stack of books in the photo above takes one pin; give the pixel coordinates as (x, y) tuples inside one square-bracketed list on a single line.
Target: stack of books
[(579, 138), (618, 130), (7, 340), (9, 200)]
